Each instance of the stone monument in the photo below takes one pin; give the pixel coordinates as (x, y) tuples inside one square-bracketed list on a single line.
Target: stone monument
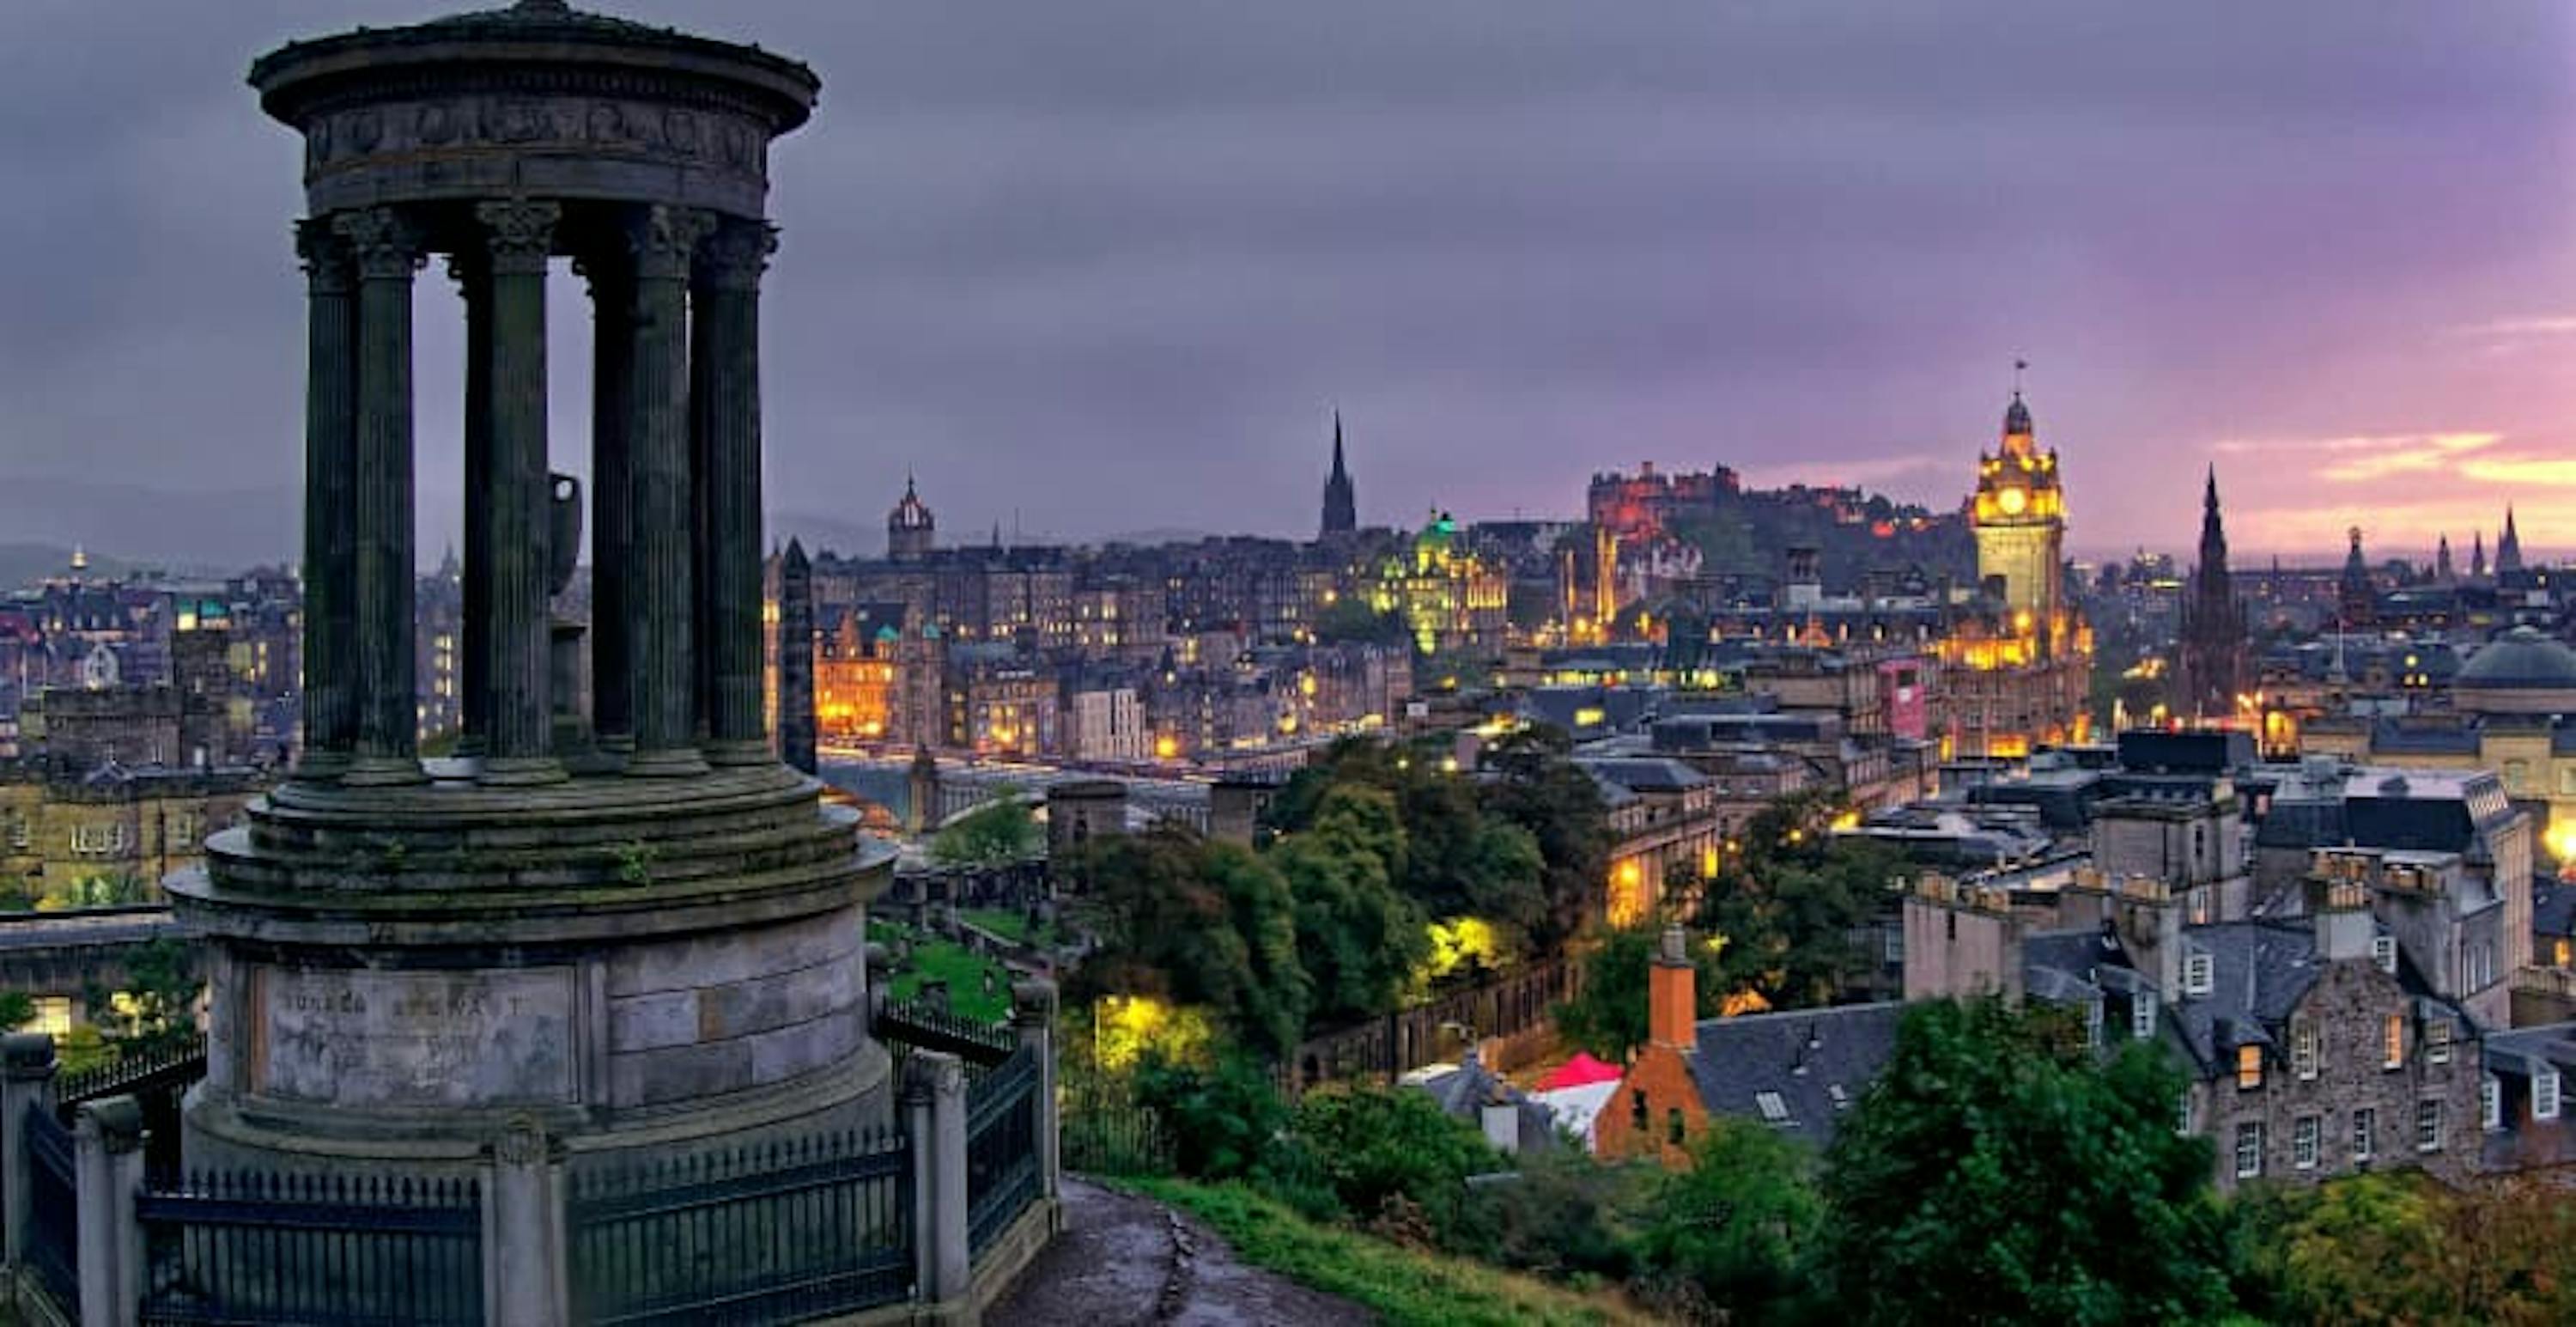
[(626, 929)]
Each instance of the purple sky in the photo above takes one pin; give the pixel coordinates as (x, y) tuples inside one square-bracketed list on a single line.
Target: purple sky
[(1110, 265)]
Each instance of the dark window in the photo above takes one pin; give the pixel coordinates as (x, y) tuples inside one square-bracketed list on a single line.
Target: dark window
[(1637, 1108)]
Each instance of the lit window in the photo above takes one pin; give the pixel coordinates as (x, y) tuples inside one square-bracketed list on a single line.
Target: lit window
[(2544, 1093), (2198, 974), (2249, 1149), (1772, 1107), (2306, 1048), (2365, 1125), (2490, 1103), (2249, 1067), (2393, 1042), (2304, 1142), (2428, 1125), (2437, 1042)]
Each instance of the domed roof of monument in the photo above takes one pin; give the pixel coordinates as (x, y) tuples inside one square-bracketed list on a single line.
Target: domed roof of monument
[(2520, 660), (531, 32)]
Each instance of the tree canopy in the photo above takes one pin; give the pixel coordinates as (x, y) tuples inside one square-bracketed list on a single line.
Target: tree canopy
[(1996, 1173), (999, 831), (1789, 899), (1197, 923)]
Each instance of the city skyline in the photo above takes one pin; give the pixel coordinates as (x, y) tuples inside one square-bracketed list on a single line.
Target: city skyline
[(2325, 255)]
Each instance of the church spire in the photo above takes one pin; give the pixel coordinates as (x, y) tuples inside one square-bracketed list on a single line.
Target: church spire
[(2508, 560), (1341, 496)]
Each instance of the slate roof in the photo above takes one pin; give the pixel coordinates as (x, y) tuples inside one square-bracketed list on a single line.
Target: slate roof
[(1462, 1093), (2260, 971), (1646, 773), (1805, 1056)]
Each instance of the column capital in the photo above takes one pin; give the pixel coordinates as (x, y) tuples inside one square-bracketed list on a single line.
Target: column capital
[(386, 241), (663, 239), (324, 255), (518, 233), (736, 254)]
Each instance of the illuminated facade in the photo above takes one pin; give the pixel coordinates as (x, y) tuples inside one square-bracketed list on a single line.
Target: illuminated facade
[(1449, 598), (2020, 523), (2015, 671)]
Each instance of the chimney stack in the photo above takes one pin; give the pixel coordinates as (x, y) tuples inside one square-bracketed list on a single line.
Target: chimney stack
[(1672, 1005)]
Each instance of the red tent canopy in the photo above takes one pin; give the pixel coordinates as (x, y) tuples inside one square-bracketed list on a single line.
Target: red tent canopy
[(1581, 1071)]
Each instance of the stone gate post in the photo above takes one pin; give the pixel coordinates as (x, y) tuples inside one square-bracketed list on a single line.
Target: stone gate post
[(1033, 1017), (934, 1093), (107, 1163), (26, 1082), (527, 1281)]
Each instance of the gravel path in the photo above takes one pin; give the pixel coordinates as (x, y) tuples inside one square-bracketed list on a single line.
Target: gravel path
[(1124, 1261)]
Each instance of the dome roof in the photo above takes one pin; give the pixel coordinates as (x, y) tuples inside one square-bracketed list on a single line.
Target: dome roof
[(2520, 660)]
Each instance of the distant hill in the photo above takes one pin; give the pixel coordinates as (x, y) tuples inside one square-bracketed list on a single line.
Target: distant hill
[(26, 564), (195, 530)]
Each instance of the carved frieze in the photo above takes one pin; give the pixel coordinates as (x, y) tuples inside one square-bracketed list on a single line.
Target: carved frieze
[(709, 139)]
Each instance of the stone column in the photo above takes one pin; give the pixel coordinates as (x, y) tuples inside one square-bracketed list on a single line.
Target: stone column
[(517, 687), (660, 600), (934, 1095), (612, 306), (107, 1168), (330, 491), (1033, 1018), (387, 246), (726, 366), (26, 1083), (473, 276)]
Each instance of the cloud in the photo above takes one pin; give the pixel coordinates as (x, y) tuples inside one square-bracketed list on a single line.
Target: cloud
[(2546, 471), (1110, 265)]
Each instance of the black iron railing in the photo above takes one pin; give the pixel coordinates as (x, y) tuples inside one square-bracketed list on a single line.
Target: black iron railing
[(266, 1248), (917, 1024), (181, 1064), (765, 1234), (1001, 1147), (53, 1233)]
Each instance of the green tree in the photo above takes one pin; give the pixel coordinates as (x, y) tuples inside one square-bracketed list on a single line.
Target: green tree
[(1737, 1225), (1197, 923), (1223, 1119), (1607, 1015), (157, 1009), (1360, 939), (1996, 1173), (1002, 830), (1378, 1145), (17, 1010), (1535, 784), (1788, 902)]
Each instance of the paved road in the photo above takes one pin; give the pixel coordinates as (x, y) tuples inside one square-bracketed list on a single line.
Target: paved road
[(1123, 1261)]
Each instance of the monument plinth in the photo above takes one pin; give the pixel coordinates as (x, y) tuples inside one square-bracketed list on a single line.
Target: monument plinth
[(631, 926)]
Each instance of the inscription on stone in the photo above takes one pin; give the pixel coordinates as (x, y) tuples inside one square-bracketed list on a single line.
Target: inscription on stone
[(415, 1038)]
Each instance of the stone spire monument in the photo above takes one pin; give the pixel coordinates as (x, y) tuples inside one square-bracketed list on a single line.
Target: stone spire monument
[(638, 930)]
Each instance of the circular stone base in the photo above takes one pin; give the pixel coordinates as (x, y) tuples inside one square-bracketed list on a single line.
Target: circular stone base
[(401, 975)]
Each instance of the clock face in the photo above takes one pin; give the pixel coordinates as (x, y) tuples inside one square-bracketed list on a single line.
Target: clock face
[(2013, 501)]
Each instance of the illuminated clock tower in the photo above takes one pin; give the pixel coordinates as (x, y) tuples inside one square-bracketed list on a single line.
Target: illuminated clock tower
[(2020, 523)]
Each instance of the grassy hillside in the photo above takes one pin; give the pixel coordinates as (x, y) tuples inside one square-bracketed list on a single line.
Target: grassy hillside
[(1411, 1288)]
